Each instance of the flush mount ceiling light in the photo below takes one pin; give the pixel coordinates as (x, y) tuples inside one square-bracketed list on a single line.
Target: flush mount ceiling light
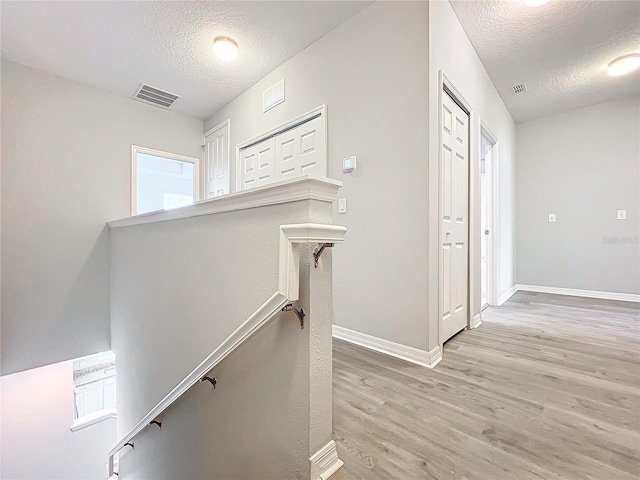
[(623, 65), (535, 3), (225, 48)]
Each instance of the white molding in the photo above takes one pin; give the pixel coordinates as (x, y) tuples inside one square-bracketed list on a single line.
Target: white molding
[(325, 462), (92, 419), (290, 237), (507, 295), (308, 187), (624, 297), (424, 358), (477, 321), (288, 284)]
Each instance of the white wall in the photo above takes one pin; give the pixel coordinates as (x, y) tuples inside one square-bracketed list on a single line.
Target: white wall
[(583, 166), (372, 73), (451, 51), (37, 444), (181, 287), (66, 160)]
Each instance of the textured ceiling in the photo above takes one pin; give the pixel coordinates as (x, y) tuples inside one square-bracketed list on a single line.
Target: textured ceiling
[(117, 45), (560, 50)]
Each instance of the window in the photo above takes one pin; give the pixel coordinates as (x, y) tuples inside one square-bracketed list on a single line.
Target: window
[(94, 389), (161, 180)]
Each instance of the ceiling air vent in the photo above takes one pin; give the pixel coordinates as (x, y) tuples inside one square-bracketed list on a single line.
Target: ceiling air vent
[(520, 88), (155, 96)]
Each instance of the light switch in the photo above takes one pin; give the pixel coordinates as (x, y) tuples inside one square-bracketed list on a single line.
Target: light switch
[(552, 218), (342, 205), (622, 215)]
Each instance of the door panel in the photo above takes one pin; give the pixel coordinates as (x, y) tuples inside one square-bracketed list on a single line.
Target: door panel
[(300, 151), (454, 258), (257, 164), (217, 179)]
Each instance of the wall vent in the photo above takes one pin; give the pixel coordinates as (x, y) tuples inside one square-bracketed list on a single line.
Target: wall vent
[(520, 88), (155, 96)]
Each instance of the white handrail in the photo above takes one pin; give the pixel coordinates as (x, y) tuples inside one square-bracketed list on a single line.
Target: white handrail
[(288, 291)]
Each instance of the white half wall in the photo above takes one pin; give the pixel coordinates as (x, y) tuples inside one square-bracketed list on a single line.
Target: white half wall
[(583, 166), (66, 163), (372, 73), (36, 440), (451, 52)]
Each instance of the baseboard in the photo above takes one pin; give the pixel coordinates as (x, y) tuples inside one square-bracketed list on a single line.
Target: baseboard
[(477, 321), (624, 297), (414, 355), (325, 462), (507, 295)]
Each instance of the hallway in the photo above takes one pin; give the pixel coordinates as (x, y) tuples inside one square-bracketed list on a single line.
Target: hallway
[(548, 387)]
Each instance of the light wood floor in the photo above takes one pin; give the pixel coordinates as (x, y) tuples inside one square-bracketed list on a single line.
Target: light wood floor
[(547, 387)]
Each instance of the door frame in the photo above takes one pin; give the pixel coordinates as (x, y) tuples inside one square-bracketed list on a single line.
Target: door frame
[(492, 265), (445, 86)]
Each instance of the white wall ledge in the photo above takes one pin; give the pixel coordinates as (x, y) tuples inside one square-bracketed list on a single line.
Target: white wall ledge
[(92, 419), (308, 187)]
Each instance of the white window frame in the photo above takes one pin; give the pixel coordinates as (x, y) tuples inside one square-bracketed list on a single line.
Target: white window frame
[(135, 150)]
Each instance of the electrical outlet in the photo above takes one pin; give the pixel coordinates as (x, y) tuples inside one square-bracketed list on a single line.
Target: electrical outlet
[(552, 218), (622, 215)]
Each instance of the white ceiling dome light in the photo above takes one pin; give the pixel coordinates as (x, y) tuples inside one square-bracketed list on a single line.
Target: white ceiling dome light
[(535, 3), (225, 48), (623, 65)]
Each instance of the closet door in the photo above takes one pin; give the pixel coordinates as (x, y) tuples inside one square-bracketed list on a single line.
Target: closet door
[(257, 164), (301, 151)]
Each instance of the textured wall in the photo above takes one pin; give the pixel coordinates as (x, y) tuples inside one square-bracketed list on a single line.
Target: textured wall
[(583, 166), (171, 308), (372, 73), (37, 444), (451, 52), (66, 161)]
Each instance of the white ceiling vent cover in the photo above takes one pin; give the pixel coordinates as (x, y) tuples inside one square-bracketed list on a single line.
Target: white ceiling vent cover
[(155, 96), (520, 88)]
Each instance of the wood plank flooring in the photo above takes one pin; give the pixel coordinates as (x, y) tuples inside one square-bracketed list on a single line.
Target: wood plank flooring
[(548, 387)]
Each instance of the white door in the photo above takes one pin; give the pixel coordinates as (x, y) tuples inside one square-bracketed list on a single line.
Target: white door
[(454, 229), (300, 151), (216, 175), (257, 164)]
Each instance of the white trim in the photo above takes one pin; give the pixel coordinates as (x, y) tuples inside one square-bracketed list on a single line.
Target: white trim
[(507, 295), (414, 355), (225, 123), (135, 149), (92, 419), (309, 187), (321, 109), (290, 237), (477, 321), (325, 462), (624, 297), (288, 264)]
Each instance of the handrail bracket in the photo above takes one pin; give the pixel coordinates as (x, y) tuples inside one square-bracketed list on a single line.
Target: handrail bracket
[(213, 381), (317, 252), (299, 313)]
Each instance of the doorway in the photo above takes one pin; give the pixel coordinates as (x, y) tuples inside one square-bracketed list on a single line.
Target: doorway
[(488, 156)]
